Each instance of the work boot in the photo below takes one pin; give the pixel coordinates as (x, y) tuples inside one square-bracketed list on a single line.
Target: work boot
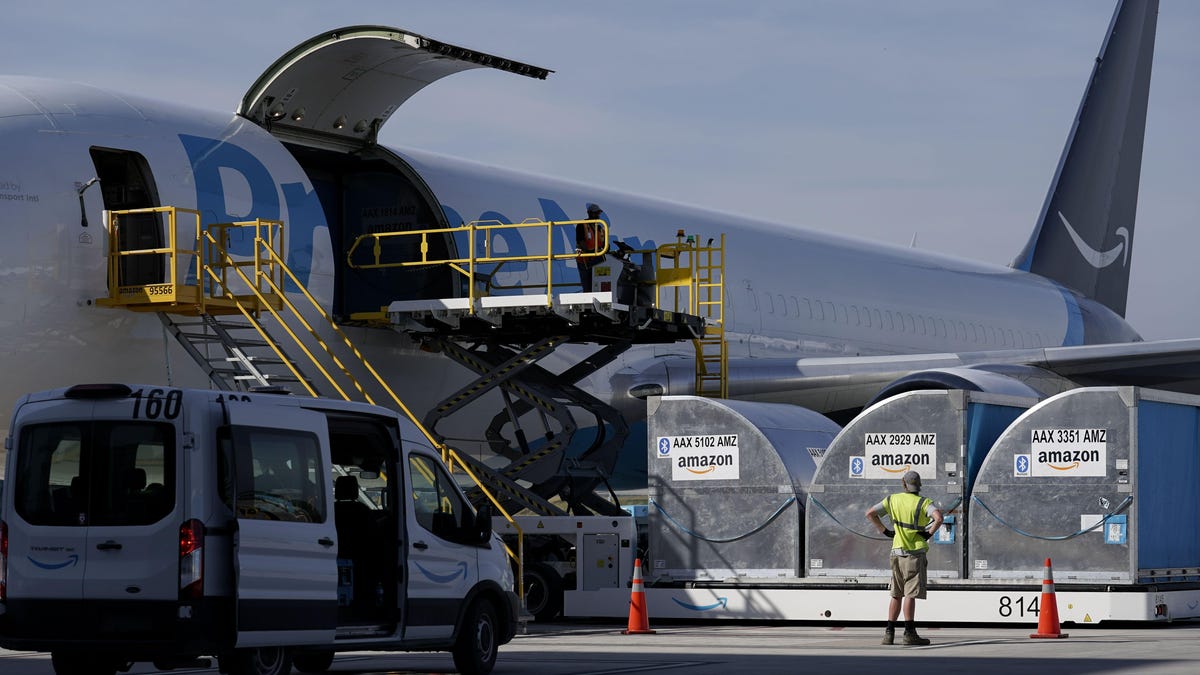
[(911, 638), (889, 636)]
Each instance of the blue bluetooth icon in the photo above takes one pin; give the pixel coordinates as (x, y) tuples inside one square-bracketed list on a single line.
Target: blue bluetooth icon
[(664, 446), (856, 466), (1022, 464)]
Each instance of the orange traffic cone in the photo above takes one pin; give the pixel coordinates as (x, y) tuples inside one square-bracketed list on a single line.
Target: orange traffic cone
[(1048, 615), (639, 623)]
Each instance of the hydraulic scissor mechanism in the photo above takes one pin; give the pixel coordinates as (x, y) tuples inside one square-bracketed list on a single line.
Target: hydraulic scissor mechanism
[(551, 466)]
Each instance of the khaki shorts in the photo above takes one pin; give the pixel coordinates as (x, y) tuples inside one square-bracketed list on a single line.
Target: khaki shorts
[(908, 576)]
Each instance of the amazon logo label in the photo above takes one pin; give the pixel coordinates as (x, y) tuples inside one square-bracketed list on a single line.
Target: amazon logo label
[(1068, 452), (889, 455), (706, 462)]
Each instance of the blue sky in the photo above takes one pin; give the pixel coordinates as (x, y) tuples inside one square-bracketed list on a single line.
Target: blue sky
[(939, 120)]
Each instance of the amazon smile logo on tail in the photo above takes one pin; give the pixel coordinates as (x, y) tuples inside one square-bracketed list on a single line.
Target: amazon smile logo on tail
[(1099, 259)]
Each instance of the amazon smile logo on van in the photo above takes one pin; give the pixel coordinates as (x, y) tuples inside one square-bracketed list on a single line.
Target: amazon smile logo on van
[(1095, 258), (71, 561), (460, 570)]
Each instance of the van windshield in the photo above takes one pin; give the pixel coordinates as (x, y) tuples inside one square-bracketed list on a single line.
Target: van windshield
[(95, 473)]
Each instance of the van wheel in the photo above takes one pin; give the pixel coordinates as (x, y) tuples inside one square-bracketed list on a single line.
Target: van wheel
[(478, 640), (258, 661), (543, 592), (313, 662), (80, 663)]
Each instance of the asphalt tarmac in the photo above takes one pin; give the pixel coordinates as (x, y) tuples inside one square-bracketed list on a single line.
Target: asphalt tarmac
[(740, 649)]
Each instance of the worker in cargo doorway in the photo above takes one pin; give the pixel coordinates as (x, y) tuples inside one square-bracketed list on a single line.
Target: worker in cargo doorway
[(916, 519), (587, 240)]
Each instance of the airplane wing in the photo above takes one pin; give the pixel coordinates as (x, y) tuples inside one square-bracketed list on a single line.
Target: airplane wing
[(844, 385), (1163, 364)]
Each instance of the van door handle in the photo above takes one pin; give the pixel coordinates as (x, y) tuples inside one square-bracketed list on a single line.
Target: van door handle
[(420, 545), (109, 545), (325, 541)]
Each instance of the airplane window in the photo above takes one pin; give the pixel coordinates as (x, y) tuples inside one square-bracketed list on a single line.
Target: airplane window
[(878, 319), (820, 313), (1011, 339), (867, 317), (911, 328), (853, 311), (782, 306), (829, 310), (962, 331), (975, 331), (795, 307), (841, 313), (890, 324), (768, 305), (941, 324), (808, 306), (921, 322)]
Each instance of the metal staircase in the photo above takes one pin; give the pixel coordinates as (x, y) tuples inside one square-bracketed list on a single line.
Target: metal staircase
[(230, 352)]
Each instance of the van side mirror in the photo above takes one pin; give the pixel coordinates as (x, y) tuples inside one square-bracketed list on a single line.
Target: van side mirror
[(483, 524)]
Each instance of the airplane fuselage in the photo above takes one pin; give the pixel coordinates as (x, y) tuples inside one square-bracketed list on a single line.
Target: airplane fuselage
[(790, 293)]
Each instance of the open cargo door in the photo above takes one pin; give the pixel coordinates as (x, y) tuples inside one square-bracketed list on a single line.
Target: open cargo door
[(343, 85)]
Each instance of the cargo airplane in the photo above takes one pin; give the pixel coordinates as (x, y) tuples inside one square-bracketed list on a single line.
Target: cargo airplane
[(812, 318)]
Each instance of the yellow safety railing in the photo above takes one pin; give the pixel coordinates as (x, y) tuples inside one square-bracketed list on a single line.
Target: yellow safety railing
[(470, 264), (169, 292), (192, 270), (694, 275)]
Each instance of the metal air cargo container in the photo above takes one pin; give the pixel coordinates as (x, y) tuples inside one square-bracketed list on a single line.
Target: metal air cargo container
[(727, 484), (1104, 481), (942, 435)]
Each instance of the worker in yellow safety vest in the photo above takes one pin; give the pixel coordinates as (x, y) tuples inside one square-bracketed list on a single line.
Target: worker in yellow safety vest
[(916, 519)]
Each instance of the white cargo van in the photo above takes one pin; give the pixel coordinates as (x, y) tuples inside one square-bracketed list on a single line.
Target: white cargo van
[(144, 523)]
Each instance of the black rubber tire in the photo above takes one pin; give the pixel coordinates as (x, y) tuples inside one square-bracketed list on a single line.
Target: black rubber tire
[(258, 661), (312, 662), (478, 640), (81, 663), (543, 592)]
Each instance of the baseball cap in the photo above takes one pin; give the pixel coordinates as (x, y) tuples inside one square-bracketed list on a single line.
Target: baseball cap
[(912, 481)]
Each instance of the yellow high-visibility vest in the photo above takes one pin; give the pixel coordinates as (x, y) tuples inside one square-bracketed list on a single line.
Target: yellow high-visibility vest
[(909, 518)]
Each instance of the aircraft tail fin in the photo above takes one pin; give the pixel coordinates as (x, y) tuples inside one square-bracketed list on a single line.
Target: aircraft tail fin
[(1084, 234)]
